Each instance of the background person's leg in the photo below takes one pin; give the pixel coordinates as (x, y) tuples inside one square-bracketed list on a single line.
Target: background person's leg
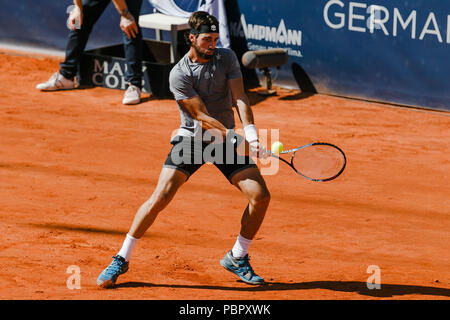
[(92, 10), (133, 48)]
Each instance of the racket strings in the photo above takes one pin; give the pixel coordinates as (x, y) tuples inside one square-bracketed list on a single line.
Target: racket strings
[(318, 162)]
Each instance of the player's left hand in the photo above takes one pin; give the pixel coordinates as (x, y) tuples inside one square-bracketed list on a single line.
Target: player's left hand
[(128, 25)]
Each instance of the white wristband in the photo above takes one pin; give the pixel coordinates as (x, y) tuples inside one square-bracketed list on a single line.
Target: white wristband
[(250, 133)]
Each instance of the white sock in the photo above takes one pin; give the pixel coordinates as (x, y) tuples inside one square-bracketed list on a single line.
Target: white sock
[(241, 246), (127, 247)]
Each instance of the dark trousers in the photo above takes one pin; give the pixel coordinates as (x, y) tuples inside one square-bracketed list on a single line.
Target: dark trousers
[(92, 10)]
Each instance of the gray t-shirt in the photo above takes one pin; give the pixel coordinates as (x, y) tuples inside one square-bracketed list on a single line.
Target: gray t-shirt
[(210, 82)]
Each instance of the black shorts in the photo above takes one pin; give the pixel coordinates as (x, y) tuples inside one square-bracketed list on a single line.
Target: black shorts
[(188, 155)]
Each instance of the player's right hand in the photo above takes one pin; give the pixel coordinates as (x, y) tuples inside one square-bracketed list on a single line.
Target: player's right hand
[(75, 19)]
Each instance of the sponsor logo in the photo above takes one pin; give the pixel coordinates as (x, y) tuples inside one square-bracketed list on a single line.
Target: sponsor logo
[(361, 17), (111, 74), (277, 35)]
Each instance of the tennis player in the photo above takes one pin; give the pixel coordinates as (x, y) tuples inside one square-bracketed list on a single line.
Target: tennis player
[(206, 83)]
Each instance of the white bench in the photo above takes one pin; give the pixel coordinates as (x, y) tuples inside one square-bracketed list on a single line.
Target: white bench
[(162, 22)]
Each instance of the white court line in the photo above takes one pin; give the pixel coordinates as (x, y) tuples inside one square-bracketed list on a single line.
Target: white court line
[(32, 49)]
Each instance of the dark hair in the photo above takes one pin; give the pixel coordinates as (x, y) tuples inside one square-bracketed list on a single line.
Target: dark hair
[(199, 18)]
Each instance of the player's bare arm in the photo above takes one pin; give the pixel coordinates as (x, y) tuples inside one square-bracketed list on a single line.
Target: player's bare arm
[(246, 116), (241, 100), (197, 109)]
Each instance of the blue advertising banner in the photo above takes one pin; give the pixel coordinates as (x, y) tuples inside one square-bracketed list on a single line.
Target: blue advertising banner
[(394, 51), (390, 51)]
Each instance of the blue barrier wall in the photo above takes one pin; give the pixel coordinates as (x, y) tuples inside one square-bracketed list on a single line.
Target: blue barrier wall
[(394, 51), (43, 24), (402, 57)]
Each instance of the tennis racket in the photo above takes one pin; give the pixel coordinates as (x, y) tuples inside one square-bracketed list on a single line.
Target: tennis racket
[(317, 161)]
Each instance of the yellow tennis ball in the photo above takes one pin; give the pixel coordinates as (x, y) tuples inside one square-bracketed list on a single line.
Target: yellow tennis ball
[(277, 147)]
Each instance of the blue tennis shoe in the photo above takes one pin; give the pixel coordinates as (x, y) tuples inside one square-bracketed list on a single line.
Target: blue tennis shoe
[(241, 267), (108, 277)]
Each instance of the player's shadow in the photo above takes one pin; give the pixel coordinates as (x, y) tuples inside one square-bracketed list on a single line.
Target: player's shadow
[(82, 229), (386, 290)]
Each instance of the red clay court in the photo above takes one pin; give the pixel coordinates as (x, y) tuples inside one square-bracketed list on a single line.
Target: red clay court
[(75, 166)]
